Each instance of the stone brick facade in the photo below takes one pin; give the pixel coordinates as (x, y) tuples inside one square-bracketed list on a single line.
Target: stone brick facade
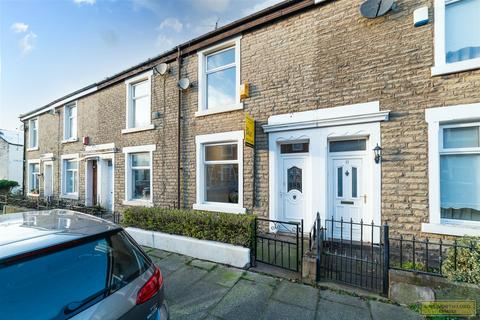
[(323, 57)]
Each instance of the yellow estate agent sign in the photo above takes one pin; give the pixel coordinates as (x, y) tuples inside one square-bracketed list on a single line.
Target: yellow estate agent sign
[(249, 130)]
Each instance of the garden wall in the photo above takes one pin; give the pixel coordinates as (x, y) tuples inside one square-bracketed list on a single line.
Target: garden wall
[(410, 288)]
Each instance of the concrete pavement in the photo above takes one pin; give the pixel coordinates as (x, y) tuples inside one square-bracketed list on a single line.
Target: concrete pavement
[(204, 290)]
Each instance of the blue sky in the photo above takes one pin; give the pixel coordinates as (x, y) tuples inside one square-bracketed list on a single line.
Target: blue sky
[(49, 48)]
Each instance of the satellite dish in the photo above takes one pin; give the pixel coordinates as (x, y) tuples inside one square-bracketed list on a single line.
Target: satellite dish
[(375, 8), (184, 83), (162, 68)]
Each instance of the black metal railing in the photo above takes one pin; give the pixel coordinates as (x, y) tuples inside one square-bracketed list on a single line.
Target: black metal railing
[(56, 202), (279, 243), (355, 253), (425, 256), (312, 236)]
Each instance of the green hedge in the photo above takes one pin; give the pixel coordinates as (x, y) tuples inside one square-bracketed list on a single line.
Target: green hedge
[(466, 259), (236, 229), (7, 184)]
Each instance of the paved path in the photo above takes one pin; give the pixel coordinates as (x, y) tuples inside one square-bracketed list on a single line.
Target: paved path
[(198, 289)]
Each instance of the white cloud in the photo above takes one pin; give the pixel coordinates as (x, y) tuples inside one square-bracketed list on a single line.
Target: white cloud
[(171, 23), (205, 25), (151, 5), (164, 43), (19, 27), (91, 2), (211, 5), (27, 43), (110, 37), (260, 6)]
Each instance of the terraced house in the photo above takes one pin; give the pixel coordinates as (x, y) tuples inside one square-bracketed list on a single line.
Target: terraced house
[(356, 118)]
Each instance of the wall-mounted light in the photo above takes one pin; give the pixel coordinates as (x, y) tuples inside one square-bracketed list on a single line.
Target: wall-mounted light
[(378, 153)]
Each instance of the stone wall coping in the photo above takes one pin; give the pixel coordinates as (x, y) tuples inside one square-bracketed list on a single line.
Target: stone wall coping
[(201, 249)]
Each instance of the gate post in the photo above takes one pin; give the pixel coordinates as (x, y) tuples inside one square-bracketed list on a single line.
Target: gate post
[(319, 246), (386, 258), (301, 253), (254, 249)]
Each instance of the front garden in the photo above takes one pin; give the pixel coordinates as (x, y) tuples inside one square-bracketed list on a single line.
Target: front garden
[(229, 228)]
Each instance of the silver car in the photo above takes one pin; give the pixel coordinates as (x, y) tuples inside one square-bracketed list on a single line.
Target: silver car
[(61, 264)]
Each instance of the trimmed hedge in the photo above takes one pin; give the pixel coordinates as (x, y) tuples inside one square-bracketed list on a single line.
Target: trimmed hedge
[(467, 261), (236, 229), (7, 184)]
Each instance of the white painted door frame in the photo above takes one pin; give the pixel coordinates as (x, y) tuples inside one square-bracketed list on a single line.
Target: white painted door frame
[(299, 127), (52, 186), (102, 171)]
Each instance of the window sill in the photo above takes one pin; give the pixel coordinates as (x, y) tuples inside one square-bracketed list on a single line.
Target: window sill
[(219, 208), (73, 196), (456, 67), (451, 229), (138, 203), (33, 194), (32, 149), (145, 128), (70, 140), (206, 112)]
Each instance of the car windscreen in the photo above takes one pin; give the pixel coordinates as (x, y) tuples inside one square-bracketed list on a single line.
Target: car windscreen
[(60, 284)]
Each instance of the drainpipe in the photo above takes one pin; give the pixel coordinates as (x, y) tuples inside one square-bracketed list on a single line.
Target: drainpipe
[(24, 157), (179, 126)]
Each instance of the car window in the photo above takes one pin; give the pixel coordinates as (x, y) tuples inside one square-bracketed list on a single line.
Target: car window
[(128, 262), (42, 287)]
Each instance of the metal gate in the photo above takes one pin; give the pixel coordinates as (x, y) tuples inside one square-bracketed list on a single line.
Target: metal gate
[(279, 243), (352, 253)]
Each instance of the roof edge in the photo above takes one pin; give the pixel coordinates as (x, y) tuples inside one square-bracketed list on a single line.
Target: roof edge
[(262, 17)]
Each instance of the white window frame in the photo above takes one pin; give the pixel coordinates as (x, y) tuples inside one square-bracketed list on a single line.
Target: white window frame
[(218, 138), (32, 147), (127, 151), (129, 127), (438, 119), (202, 78), (67, 116), (64, 159), (441, 66), (29, 182)]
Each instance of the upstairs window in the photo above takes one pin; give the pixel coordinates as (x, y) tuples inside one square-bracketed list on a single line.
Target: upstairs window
[(139, 103), (219, 78), (33, 134), (70, 122), (457, 35)]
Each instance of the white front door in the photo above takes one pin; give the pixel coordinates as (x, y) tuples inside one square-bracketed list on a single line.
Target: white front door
[(293, 191), (109, 187), (48, 180), (106, 184), (348, 196)]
